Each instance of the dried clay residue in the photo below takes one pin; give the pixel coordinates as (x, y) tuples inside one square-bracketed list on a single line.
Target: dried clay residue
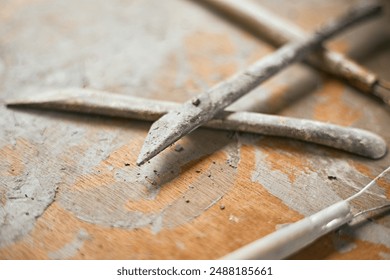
[(210, 54), (283, 157), (291, 177), (10, 9), (12, 157), (153, 195), (27, 187), (56, 235), (383, 182), (332, 108), (166, 195), (205, 59), (230, 223)]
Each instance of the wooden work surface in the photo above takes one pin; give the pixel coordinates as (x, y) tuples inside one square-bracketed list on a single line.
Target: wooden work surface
[(69, 186)]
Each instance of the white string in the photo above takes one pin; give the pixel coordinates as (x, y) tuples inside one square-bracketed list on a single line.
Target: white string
[(368, 185), (372, 210)]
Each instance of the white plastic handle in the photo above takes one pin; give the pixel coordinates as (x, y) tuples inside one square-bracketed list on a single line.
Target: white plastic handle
[(288, 240)]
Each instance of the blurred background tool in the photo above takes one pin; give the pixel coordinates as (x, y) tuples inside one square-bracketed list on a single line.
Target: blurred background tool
[(280, 31)]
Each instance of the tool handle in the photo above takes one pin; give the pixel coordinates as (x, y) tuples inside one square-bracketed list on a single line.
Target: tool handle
[(225, 93), (281, 31), (289, 239), (353, 140)]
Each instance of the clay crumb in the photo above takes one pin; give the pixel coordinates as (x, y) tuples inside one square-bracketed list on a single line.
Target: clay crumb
[(127, 164), (332, 178), (187, 201), (234, 219), (197, 171), (195, 101), (178, 148), (222, 207)]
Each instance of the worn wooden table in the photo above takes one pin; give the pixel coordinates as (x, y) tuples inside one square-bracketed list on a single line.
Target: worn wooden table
[(69, 186)]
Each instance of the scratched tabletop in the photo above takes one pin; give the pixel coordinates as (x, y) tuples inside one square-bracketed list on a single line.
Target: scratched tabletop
[(69, 185)]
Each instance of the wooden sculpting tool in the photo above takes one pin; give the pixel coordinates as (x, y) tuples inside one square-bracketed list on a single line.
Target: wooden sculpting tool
[(288, 240), (280, 31), (207, 105), (357, 141)]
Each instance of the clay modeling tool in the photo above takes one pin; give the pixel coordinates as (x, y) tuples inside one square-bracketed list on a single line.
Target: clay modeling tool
[(207, 105), (280, 31), (349, 139), (289, 239)]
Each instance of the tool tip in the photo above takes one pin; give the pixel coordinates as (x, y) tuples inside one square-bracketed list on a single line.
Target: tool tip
[(143, 158), (168, 129), (42, 98), (159, 137)]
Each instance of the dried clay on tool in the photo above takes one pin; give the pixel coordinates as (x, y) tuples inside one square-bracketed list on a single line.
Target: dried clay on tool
[(354, 140)]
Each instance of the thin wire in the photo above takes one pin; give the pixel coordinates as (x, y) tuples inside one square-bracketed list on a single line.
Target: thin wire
[(368, 185), (371, 210)]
